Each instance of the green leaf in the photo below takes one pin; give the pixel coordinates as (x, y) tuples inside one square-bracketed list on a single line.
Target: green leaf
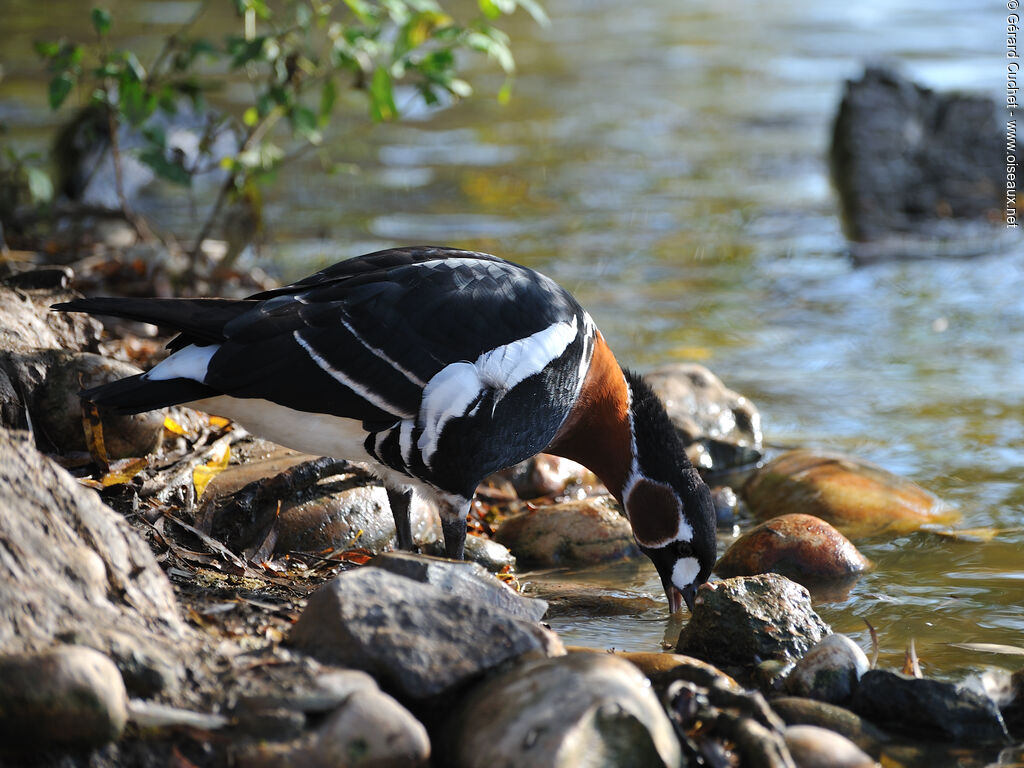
[(304, 123), (328, 96), (60, 88), (100, 21), (382, 98), (47, 49), (40, 187), (164, 168)]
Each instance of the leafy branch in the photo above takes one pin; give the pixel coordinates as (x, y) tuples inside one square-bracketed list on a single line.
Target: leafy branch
[(295, 55)]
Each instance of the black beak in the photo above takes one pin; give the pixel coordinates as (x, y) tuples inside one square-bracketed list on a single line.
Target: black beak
[(690, 595)]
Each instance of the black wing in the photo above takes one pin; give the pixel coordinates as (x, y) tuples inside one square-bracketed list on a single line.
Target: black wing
[(360, 339)]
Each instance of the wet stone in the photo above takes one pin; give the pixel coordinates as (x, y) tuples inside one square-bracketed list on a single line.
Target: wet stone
[(569, 599), (490, 554), (931, 709), (800, 547), (581, 709), (858, 498), (545, 475), (69, 696), (571, 533), (799, 711), (721, 429), (743, 621), (814, 747), (830, 671), (465, 580), (417, 640)]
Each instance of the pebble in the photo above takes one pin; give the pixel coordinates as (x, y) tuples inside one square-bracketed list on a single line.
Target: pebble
[(800, 547), (571, 533), (829, 671), (814, 747), (742, 621), (858, 498), (68, 696), (587, 709)]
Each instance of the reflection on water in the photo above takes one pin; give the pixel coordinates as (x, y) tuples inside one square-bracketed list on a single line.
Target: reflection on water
[(665, 162)]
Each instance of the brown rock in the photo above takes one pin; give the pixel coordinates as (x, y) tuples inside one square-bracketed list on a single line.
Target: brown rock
[(803, 548), (814, 747), (573, 532), (858, 498)]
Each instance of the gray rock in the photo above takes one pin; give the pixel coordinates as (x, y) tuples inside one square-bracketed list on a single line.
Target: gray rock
[(569, 599), (931, 709), (27, 323), (67, 696), (743, 621), (72, 568), (721, 429), (799, 711), (571, 533), (415, 639), (829, 671), (580, 709), (490, 554), (814, 747), (57, 408), (544, 475), (465, 580), (369, 728), (915, 164)]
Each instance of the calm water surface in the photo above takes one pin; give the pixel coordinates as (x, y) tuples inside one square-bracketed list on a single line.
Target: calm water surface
[(664, 161)]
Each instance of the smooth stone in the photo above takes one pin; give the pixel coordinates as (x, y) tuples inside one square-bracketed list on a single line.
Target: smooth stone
[(742, 621), (800, 547), (724, 425), (415, 639), (814, 747), (335, 513), (727, 506), (369, 729), (569, 599), (931, 709), (829, 671), (58, 408), (68, 696), (465, 580), (858, 498), (580, 532), (333, 517), (582, 709), (545, 475), (664, 669), (490, 554), (799, 711)]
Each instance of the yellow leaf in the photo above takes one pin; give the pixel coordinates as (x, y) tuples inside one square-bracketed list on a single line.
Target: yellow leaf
[(219, 421), (203, 474), (174, 427), (123, 470)]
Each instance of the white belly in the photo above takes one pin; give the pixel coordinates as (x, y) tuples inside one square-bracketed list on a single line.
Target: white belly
[(316, 433)]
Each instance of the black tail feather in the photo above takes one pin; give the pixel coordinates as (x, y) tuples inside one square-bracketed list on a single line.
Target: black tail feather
[(201, 320), (136, 394)]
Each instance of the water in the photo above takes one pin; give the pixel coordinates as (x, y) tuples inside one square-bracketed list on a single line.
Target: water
[(666, 163)]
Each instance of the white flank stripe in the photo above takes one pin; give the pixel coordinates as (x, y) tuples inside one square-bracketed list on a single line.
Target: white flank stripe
[(189, 362), (504, 367), (383, 356), (450, 392), (359, 389), (405, 440), (447, 395)]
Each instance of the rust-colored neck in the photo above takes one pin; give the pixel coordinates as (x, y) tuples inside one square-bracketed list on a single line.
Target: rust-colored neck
[(597, 432)]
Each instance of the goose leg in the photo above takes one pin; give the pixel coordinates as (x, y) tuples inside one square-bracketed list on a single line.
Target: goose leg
[(453, 526), (400, 500)]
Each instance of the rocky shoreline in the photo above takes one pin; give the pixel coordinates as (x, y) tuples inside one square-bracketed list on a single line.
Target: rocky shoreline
[(182, 593)]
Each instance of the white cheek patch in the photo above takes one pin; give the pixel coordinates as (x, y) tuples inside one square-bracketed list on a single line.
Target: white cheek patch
[(684, 572)]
